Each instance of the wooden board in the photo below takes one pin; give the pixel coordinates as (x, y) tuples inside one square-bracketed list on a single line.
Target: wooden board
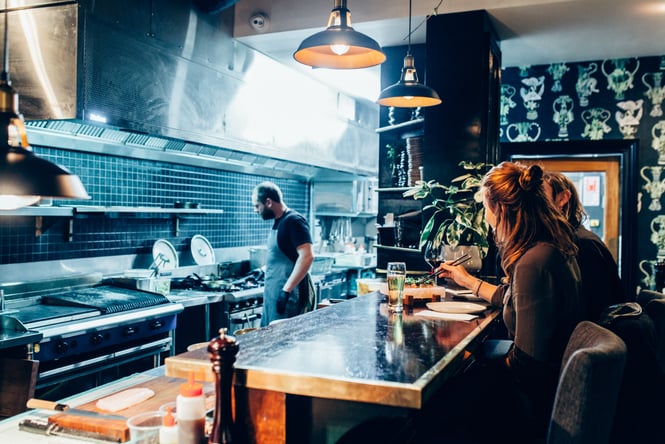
[(417, 292), (166, 390), (196, 361)]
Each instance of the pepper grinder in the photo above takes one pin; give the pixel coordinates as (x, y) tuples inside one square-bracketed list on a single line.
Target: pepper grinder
[(223, 351)]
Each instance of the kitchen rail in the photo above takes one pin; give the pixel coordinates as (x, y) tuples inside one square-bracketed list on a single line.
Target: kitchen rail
[(39, 212)]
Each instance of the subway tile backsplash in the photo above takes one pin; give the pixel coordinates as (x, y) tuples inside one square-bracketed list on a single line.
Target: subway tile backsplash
[(119, 181)]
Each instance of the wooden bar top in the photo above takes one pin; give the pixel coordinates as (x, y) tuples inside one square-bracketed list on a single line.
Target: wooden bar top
[(354, 351)]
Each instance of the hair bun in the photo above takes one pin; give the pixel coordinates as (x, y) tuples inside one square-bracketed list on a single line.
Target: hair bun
[(531, 177)]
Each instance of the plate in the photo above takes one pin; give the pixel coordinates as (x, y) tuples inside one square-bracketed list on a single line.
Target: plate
[(165, 255), (456, 307), (202, 251)]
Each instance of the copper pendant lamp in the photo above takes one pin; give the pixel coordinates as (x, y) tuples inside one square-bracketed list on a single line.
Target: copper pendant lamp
[(339, 46), (408, 92), (24, 177)]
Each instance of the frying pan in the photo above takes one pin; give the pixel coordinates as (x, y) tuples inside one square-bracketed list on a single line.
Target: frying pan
[(214, 284)]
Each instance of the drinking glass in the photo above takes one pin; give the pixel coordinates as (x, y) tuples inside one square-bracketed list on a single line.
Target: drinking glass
[(396, 272), (433, 255)]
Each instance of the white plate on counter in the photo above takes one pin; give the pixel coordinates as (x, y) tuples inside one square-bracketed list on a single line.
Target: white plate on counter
[(164, 255), (456, 307), (202, 250)]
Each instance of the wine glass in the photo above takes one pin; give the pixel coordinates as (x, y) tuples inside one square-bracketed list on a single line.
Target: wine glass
[(433, 255)]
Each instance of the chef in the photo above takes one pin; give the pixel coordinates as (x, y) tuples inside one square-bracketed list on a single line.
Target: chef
[(288, 287)]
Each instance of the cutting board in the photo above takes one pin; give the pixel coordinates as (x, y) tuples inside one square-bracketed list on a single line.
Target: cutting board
[(197, 361), (166, 390), (417, 292)]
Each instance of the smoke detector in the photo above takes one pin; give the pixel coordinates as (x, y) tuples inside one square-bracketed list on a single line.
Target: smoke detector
[(259, 21)]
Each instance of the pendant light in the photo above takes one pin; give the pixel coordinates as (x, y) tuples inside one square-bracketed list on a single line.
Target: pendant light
[(24, 177), (339, 46), (408, 92)]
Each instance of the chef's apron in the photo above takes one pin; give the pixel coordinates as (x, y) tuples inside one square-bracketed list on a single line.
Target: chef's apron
[(278, 270)]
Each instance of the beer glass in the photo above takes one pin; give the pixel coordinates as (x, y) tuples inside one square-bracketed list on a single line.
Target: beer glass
[(396, 272)]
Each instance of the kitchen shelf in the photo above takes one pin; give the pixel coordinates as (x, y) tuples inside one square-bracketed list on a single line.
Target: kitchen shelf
[(340, 214), (71, 212), (39, 211), (393, 189), (85, 209), (403, 128), (402, 249)]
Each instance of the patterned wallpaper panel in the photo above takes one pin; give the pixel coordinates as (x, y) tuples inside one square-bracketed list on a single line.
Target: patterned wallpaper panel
[(118, 181), (595, 100)]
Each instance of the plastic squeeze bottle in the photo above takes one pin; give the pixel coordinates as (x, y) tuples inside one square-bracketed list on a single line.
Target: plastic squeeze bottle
[(168, 433), (190, 405)]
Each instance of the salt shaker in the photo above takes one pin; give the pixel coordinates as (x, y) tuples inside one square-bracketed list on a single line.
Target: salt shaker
[(223, 351)]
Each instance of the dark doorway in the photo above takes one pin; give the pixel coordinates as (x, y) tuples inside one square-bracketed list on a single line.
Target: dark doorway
[(578, 152)]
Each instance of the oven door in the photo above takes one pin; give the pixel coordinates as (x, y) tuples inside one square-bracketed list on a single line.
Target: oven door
[(246, 318)]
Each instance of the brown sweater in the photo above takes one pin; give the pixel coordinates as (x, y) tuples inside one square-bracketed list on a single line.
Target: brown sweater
[(541, 306)]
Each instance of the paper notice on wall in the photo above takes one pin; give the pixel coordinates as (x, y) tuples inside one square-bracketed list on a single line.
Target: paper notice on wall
[(591, 191)]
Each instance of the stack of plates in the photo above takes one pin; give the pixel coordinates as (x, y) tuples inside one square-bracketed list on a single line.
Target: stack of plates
[(414, 151)]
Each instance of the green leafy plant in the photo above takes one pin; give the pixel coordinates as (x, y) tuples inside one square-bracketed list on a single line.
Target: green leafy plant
[(458, 216)]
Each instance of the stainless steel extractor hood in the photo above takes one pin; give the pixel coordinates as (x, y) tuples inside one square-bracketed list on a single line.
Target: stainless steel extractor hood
[(165, 80)]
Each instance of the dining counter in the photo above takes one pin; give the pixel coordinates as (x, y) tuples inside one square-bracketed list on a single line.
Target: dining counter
[(313, 377)]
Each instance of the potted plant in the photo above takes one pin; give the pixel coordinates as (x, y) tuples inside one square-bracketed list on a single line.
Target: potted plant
[(458, 215)]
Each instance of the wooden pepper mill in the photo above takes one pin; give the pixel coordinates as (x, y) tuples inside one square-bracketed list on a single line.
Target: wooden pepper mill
[(222, 351)]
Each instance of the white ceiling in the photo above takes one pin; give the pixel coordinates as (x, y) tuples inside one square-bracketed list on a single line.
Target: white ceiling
[(531, 32)]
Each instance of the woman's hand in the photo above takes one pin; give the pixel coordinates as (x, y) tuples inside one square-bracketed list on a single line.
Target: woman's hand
[(457, 273)]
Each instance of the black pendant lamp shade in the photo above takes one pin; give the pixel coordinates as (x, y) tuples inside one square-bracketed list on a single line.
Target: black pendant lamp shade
[(408, 92), (339, 46), (24, 177)]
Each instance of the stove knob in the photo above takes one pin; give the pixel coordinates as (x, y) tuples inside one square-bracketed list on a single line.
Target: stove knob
[(62, 347), (97, 338)]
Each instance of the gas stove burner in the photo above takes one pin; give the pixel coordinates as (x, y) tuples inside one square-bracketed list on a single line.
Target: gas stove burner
[(246, 282), (196, 282)]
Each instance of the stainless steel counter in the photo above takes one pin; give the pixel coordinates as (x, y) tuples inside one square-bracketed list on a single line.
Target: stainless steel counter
[(191, 298)]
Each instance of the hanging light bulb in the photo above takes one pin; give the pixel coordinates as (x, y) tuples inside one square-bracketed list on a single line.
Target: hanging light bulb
[(339, 46), (408, 92), (24, 177)]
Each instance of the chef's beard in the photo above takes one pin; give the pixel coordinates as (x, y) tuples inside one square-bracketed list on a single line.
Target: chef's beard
[(267, 214)]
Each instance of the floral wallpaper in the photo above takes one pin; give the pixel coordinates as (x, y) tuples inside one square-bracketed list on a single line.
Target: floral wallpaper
[(595, 100)]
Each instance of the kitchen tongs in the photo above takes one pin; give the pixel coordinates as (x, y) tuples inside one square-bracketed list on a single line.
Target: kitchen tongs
[(459, 261)]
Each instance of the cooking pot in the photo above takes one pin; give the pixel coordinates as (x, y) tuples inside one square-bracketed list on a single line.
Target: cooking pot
[(257, 257)]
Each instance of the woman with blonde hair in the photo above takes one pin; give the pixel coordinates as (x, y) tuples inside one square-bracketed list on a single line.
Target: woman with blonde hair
[(601, 284), (541, 306)]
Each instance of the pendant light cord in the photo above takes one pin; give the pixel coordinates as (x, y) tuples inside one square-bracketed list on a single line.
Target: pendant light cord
[(5, 61), (408, 50)]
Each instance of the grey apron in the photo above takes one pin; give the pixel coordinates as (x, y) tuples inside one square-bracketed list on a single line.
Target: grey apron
[(278, 270)]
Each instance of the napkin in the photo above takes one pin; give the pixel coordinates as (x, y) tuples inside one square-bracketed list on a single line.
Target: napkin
[(448, 316)]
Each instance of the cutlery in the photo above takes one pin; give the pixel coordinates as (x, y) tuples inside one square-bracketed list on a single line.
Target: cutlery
[(459, 261), (64, 408)]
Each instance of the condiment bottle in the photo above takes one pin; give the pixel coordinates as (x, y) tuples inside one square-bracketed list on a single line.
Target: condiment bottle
[(222, 351), (190, 405), (168, 433)]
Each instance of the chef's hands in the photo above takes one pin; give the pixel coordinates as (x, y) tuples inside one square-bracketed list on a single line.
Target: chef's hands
[(287, 303), (281, 301)]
